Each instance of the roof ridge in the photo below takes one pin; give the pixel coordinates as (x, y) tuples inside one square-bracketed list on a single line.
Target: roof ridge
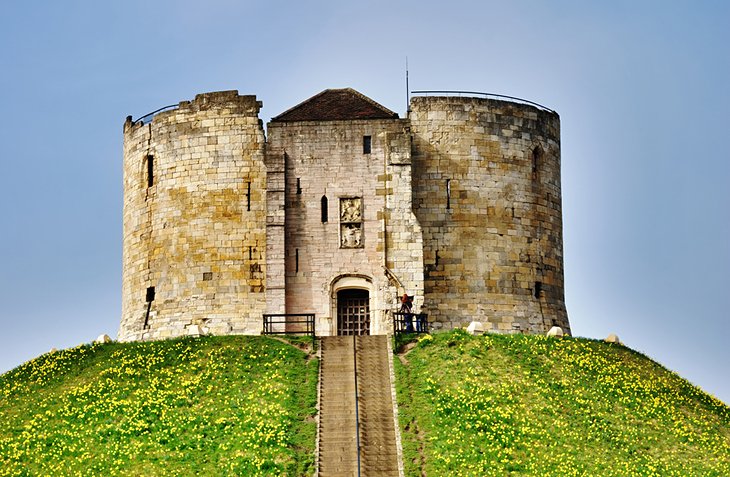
[(336, 104)]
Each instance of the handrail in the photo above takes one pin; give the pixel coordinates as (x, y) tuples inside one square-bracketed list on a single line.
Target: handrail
[(403, 322), (164, 108), (357, 405), (486, 95), (306, 319)]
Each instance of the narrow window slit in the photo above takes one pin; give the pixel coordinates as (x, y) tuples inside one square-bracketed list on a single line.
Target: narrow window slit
[(366, 144), (299, 186), (536, 155), (150, 170), (296, 261), (248, 196), (448, 193), (323, 202)]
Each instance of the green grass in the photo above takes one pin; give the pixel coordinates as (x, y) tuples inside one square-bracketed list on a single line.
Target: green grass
[(469, 406), (206, 406), (497, 405)]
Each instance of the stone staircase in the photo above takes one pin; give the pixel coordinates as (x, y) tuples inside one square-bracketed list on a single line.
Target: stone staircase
[(338, 425)]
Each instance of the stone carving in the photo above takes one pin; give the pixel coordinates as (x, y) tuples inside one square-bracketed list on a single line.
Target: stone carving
[(351, 222), (351, 236), (351, 210)]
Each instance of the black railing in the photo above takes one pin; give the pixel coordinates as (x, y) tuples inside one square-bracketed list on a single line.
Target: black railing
[(148, 117), (486, 95), (409, 322), (289, 324)]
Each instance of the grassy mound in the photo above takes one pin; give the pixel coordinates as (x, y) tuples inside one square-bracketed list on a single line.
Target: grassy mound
[(207, 406), (529, 405)]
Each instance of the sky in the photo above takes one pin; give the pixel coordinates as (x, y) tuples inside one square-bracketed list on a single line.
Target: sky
[(642, 89)]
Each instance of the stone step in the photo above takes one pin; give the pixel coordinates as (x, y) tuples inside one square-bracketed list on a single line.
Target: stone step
[(337, 428)]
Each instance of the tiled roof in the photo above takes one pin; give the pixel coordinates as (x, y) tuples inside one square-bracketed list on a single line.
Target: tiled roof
[(336, 105)]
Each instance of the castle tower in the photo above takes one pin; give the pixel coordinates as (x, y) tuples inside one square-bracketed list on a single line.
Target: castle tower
[(345, 207), (194, 247), (486, 191), (352, 242)]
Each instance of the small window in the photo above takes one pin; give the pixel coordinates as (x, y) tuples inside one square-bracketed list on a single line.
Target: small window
[(150, 294), (150, 171), (536, 155), (324, 202), (538, 289), (448, 193), (366, 143), (299, 186), (207, 276)]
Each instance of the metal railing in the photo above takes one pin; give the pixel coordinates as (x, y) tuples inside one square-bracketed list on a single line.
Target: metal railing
[(486, 95), (289, 324), (357, 405), (149, 116), (404, 322)]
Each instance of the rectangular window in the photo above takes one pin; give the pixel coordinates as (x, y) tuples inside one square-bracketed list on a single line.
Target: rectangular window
[(366, 143), (150, 294)]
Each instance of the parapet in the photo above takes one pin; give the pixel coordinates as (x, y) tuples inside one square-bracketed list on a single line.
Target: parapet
[(229, 100)]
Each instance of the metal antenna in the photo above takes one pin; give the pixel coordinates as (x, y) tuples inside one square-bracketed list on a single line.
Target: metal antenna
[(408, 93)]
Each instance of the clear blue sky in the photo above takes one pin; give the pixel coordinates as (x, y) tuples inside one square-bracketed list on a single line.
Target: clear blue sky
[(642, 87)]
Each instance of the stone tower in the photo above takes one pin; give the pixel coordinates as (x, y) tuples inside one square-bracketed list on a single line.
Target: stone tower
[(486, 188), (342, 208), (194, 219)]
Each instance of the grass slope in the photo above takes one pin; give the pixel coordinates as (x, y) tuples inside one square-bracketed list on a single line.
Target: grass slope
[(208, 406), (528, 405)]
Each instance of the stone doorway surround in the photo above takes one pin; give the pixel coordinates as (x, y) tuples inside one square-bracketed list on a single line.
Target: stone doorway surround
[(352, 305), (353, 312)]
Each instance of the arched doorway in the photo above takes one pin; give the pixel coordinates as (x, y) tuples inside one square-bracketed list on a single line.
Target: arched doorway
[(353, 311)]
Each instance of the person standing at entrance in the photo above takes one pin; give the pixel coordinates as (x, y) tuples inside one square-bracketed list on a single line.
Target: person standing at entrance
[(406, 308)]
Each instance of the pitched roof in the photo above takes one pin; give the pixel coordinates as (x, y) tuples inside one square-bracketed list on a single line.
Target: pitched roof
[(336, 105)]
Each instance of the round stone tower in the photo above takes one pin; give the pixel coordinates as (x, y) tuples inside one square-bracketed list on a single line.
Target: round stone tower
[(194, 220), (486, 191)]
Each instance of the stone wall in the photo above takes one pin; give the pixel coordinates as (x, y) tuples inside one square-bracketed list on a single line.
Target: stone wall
[(326, 166), (197, 231), (486, 188)]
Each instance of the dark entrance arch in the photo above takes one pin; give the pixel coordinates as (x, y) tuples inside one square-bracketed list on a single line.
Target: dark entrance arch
[(353, 312)]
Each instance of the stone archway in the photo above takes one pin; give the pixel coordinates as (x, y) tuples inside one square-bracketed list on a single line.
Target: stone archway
[(352, 298), (353, 312)]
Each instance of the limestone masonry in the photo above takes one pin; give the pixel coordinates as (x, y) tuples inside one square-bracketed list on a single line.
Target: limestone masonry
[(338, 210)]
